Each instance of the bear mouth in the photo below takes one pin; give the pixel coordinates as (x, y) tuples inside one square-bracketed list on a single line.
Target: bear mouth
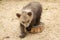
[(25, 24)]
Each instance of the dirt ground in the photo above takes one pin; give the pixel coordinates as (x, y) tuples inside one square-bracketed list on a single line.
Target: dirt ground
[(9, 24)]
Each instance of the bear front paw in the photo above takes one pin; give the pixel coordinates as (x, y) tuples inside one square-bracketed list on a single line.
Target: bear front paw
[(22, 35)]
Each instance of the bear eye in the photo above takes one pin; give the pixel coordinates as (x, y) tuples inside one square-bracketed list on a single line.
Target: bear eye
[(23, 22), (29, 13), (18, 15)]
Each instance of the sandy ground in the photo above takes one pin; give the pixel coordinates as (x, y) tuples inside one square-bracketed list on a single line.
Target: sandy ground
[(9, 24)]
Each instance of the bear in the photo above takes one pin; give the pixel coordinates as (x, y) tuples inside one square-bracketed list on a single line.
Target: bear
[(29, 17)]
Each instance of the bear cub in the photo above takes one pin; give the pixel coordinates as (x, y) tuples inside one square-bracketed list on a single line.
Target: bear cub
[(29, 17)]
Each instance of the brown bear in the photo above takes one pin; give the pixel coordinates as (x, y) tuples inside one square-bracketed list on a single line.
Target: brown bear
[(30, 16)]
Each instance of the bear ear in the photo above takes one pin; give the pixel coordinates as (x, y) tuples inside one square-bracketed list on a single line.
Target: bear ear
[(18, 15), (29, 13)]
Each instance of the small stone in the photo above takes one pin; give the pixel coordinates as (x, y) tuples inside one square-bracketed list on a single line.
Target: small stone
[(7, 37)]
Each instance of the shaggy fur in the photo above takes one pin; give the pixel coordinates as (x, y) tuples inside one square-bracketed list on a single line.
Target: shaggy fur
[(29, 17)]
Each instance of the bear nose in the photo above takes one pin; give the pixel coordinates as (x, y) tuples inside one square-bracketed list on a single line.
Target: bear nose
[(25, 21)]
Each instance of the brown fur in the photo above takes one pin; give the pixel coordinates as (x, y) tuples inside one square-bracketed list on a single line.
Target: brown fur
[(31, 15), (36, 29)]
